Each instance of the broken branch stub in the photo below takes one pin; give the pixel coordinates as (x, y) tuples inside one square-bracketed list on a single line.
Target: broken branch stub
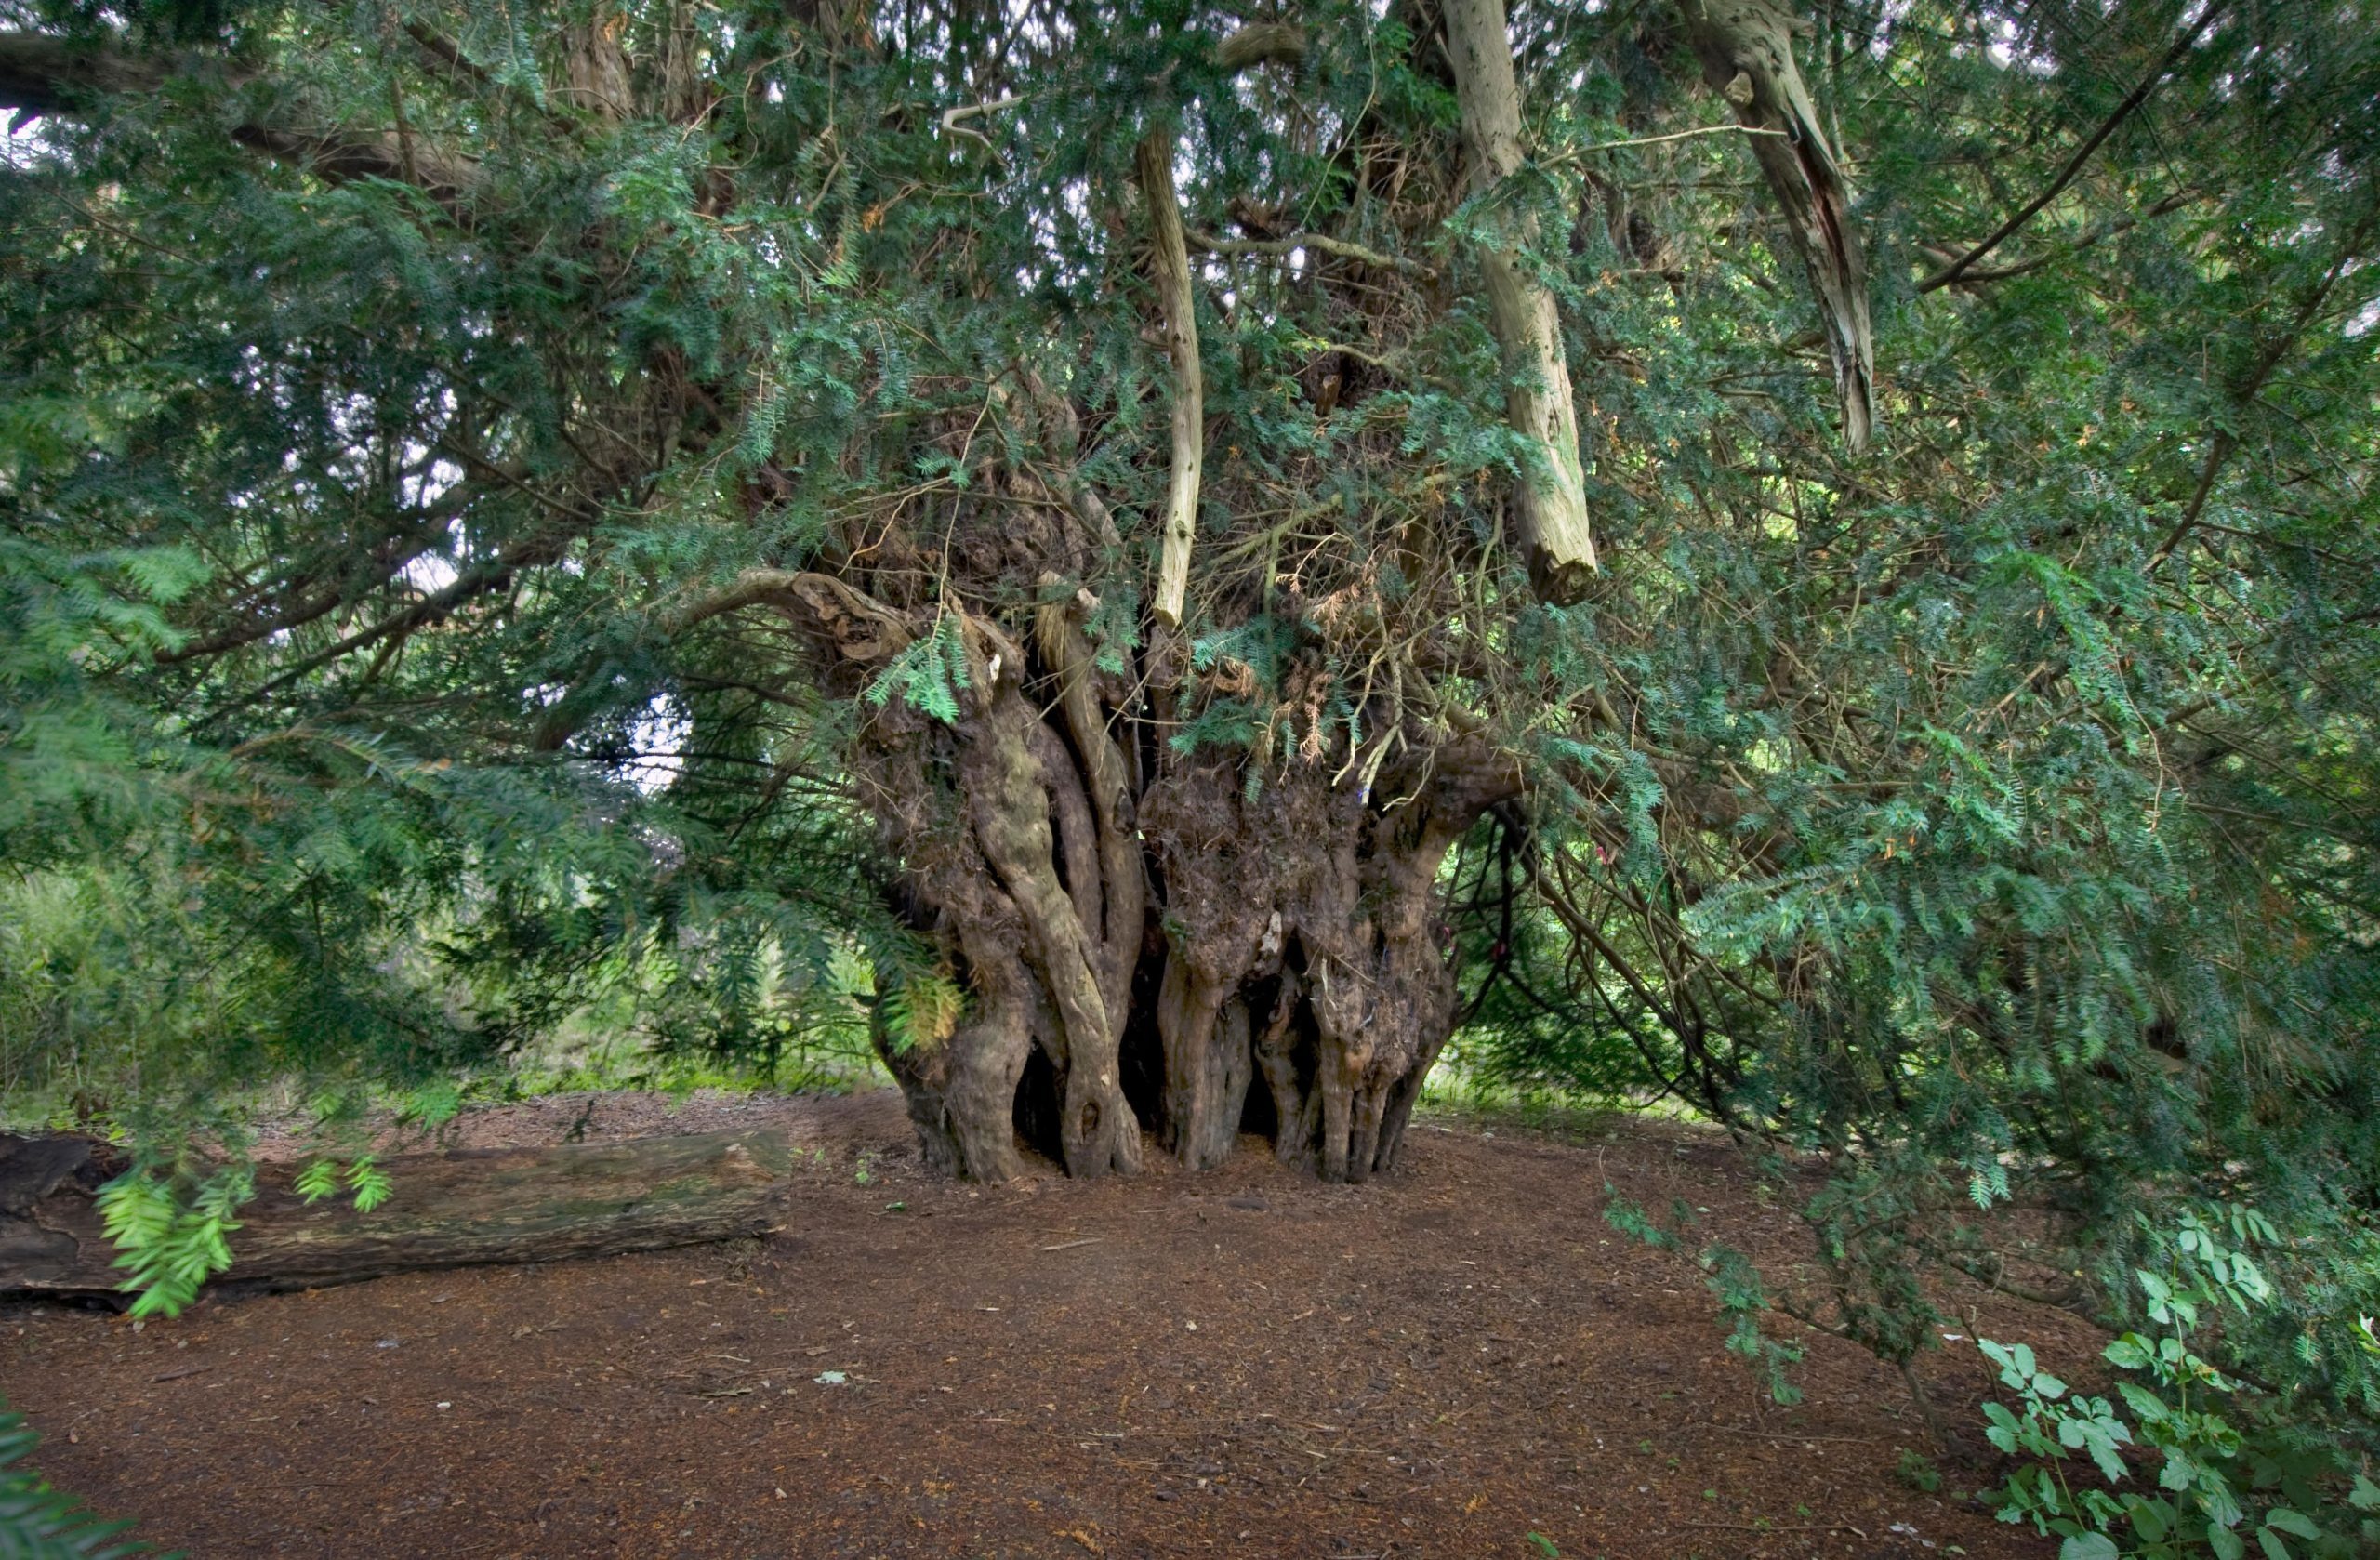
[(1746, 47), (1551, 502)]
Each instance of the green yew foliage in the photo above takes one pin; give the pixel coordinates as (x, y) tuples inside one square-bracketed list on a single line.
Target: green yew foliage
[(1986, 818), (40, 1523)]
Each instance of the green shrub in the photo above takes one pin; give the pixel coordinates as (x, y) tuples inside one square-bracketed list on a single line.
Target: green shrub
[(2225, 1462)]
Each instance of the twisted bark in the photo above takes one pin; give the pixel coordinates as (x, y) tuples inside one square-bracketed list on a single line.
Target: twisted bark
[(1297, 941)]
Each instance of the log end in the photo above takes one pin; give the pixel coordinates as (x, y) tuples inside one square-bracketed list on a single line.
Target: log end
[(1562, 581)]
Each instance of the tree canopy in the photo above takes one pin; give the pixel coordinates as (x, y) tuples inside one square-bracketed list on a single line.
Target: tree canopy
[(1822, 564)]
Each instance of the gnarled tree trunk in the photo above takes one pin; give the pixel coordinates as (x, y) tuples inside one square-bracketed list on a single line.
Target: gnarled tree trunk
[(1144, 933), (1166, 941)]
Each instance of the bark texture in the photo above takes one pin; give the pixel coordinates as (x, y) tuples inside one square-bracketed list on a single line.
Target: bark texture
[(455, 1209), (1143, 934)]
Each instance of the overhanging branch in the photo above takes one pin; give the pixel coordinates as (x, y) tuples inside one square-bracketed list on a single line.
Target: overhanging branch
[(43, 75), (860, 630), (1322, 243), (2123, 110)]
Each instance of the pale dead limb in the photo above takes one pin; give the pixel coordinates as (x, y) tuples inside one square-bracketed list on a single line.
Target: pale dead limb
[(1747, 52), (1322, 243), (951, 117), (1553, 504), (1258, 43), (1154, 161)]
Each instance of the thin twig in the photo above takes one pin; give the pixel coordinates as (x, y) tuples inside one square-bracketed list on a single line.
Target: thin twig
[(1328, 245), (2123, 110), (951, 116)]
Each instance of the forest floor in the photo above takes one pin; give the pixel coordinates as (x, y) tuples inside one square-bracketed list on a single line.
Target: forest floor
[(1462, 1359)]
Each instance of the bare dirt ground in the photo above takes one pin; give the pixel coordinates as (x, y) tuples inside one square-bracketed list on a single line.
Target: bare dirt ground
[(1239, 1363)]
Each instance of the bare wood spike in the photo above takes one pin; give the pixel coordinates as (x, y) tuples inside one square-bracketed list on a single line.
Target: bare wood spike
[(1553, 504), (1154, 162)]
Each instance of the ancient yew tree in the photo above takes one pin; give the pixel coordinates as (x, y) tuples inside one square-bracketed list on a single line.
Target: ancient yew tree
[(1091, 420), (1810, 560)]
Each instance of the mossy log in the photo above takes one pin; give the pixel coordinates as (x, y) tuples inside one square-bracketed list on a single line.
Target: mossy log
[(446, 1210)]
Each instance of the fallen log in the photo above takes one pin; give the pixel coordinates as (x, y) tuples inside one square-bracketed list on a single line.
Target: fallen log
[(447, 1210)]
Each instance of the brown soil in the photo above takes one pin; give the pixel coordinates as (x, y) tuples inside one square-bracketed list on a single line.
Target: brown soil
[(1445, 1362)]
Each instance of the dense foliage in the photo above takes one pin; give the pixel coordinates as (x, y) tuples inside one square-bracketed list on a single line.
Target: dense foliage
[(503, 513)]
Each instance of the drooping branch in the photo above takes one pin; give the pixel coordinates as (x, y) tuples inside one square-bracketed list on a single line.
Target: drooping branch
[(1552, 503), (1747, 52), (488, 579), (1976, 276), (2225, 441), (1958, 268), (44, 74), (381, 564)]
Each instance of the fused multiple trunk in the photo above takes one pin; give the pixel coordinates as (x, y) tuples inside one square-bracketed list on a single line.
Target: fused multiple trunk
[(1153, 946), (1177, 944), (1157, 940)]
